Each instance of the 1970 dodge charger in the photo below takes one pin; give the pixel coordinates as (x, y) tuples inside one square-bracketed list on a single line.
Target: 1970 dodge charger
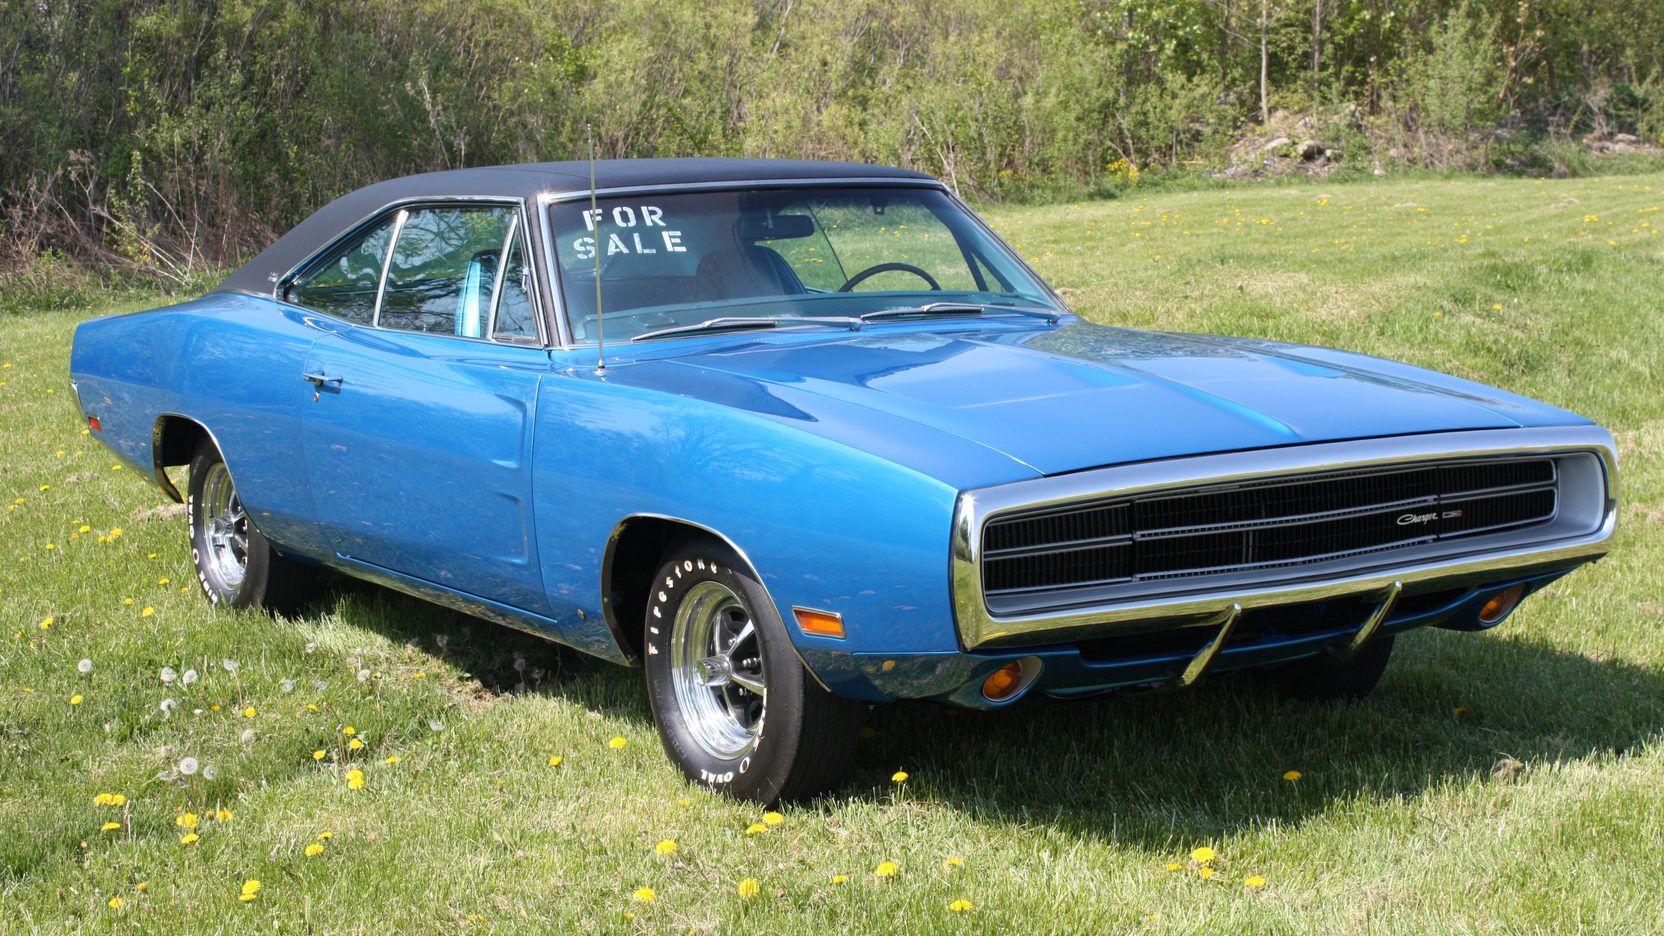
[(802, 436)]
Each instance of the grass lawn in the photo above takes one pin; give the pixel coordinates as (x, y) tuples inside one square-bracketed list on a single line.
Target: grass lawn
[(1511, 781)]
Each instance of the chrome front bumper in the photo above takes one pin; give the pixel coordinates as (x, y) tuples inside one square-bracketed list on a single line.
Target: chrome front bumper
[(979, 627)]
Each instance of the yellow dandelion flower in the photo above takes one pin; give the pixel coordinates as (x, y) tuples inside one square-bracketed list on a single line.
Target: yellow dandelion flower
[(348, 730), (314, 850), (1174, 866), (773, 818), (83, 528), (666, 847), (325, 836), (142, 887), (186, 820), (886, 869), (645, 895), (250, 712), (1205, 872), (214, 708), (45, 623), (899, 776), (756, 828), (115, 903), (1254, 883), (223, 815), (354, 744), (1203, 854), (1292, 776), (355, 779), (749, 888), (163, 581), (109, 827), (189, 838), (838, 879), (391, 759), (556, 760), (147, 612), (954, 862), (317, 755), (251, 890), (75, 699), (617, 743), (127, 602), (311, 706), (960, 906)]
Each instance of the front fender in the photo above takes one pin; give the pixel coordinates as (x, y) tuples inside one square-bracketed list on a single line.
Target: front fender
[(824, 525)]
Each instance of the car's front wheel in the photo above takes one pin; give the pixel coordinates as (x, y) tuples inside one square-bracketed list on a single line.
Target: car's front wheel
[(735, 707), (235, 565)]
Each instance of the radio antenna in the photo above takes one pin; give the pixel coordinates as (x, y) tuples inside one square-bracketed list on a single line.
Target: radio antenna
[(595, 220)]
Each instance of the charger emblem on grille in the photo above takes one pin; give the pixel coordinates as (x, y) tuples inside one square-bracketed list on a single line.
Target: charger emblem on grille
[(1410, 519)]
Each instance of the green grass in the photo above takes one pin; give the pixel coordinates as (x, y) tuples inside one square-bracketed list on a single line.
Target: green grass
[(1507, 781)]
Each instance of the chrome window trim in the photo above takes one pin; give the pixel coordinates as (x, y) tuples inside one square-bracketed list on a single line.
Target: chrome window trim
[(502, 271), (746, 185), (386, 265), (977, 626), (404, 205)]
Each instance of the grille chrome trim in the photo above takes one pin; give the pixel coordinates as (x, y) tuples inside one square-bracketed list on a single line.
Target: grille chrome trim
[(1588, 494), (1197, 531)]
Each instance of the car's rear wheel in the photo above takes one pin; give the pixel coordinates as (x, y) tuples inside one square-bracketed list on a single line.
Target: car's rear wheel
[(735, 707), (1331, 679), (235, 565)]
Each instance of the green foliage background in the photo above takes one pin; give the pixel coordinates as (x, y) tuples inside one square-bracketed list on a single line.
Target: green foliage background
[(161, 135)]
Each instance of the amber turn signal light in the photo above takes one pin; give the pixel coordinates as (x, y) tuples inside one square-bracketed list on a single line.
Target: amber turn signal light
[(1004, 682), (819, 623), (1500, 604)]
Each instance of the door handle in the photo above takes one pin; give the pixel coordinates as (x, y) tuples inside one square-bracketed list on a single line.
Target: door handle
[(319, 379)]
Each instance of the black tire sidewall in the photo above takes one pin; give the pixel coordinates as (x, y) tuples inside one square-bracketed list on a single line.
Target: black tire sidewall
[(253, 587), (763, 772)]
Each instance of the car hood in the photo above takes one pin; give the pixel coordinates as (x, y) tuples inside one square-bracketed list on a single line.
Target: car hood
[(1081, 396)]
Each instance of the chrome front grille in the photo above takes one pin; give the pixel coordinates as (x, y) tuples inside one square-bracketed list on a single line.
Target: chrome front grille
[(1099, 547)]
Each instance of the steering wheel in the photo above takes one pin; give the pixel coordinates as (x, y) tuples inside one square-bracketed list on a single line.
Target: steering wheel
[(876, 269)]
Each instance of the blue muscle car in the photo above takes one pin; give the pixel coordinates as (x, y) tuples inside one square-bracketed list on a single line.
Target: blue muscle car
[(801, 436)]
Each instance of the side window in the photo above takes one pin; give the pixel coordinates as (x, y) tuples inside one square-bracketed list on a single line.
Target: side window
[(514, 303), (444, 270), (344, 283)]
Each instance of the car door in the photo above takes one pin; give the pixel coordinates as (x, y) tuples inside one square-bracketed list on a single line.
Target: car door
[(418, 434)]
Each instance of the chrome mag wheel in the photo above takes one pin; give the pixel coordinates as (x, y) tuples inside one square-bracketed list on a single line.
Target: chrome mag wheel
[(224, 530), (717, 671)]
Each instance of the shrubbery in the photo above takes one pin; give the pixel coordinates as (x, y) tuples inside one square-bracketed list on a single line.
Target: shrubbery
[(157, 136)]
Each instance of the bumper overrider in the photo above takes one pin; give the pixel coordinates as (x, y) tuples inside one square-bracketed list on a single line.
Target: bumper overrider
[(1173, 630)]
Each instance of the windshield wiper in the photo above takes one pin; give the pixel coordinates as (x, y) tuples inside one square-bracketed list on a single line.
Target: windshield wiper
[(961, 308), (738, 323)]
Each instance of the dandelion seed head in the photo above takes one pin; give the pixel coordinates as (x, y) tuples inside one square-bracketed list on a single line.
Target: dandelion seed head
[(85, 666), (187, 765), (168, 675)]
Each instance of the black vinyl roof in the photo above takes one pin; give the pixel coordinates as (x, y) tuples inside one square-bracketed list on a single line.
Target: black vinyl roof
[(528, 181)]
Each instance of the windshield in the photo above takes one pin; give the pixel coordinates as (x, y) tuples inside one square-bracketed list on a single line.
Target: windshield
[(680, 258)]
